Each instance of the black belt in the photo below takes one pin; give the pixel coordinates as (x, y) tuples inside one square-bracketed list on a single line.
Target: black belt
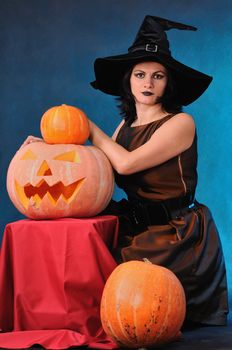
[(147, 213)]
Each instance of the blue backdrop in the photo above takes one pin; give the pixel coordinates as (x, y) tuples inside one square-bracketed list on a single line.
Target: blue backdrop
[(47, 52)]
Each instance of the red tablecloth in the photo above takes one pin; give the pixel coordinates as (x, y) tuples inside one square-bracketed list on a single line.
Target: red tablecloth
[(52, 274)]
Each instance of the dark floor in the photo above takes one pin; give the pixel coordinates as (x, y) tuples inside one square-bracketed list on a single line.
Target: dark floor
[(206, 338)]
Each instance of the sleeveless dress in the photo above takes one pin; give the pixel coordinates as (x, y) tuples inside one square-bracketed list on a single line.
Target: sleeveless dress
[(189, 245)]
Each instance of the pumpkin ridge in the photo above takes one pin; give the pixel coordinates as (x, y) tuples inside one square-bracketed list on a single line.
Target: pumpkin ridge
[(53, 121), (120, 321), (150, 328), (69, 120), (163, 329), (109, 325), (101, 177)]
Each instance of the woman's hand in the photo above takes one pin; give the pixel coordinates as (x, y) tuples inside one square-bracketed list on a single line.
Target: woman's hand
[(31, 139)]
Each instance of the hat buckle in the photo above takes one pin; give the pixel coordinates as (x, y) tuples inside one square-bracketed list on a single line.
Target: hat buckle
[(151, 47)]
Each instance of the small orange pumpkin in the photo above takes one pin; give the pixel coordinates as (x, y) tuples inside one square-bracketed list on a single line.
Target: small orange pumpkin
[(54, 181), (64, 124), (142, 305)]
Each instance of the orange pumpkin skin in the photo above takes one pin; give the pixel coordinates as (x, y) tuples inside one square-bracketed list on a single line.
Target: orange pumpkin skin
[(142, 305), (54, 181), (64, 124)]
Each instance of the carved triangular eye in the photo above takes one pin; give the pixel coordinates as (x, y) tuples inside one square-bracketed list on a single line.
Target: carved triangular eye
[(71, 156), (44, 169), (28, 155)]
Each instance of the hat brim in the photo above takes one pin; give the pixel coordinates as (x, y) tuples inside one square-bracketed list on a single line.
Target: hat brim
[(109, 72)]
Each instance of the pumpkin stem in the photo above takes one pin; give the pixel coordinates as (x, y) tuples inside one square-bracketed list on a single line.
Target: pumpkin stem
[(147, 261)]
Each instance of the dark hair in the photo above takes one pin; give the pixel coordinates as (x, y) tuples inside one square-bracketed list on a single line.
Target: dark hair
[(127, 104)]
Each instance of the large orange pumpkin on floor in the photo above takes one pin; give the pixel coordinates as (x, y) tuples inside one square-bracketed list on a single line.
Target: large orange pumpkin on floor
[(142, 305), (53, 181), (64, 124)]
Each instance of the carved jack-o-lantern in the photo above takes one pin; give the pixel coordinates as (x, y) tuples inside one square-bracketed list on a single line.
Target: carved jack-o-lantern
[(52, 181)]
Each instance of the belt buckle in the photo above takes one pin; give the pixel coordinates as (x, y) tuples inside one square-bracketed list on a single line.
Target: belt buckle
[(192, 205)]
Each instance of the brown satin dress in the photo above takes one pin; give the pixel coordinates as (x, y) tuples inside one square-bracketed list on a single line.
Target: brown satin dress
[(189, 245)]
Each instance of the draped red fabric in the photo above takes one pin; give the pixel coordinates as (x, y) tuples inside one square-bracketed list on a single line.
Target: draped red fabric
[(52, 274)]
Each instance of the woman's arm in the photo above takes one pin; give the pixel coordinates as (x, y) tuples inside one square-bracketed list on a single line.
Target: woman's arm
[(171, 139)]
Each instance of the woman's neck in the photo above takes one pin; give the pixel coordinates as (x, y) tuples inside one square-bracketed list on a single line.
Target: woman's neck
[(147, 114)]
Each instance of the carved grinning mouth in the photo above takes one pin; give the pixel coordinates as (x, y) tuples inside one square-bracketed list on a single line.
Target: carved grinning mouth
[(29, 194)]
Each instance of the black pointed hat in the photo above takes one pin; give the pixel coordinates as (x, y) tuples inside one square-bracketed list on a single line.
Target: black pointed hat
[(151, 44)]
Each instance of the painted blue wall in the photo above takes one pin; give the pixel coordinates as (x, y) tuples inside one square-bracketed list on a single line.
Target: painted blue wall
[(47, 49)]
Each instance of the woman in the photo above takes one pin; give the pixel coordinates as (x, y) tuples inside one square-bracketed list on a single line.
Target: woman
[(154, 154)]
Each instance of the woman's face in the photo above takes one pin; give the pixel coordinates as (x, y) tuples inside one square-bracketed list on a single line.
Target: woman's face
[(148, 81)]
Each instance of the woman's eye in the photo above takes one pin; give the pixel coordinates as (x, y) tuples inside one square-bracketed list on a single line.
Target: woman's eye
[(158, 76), (139, 75)]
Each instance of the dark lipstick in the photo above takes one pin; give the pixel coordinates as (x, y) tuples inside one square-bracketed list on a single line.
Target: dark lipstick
[(147, 93)]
